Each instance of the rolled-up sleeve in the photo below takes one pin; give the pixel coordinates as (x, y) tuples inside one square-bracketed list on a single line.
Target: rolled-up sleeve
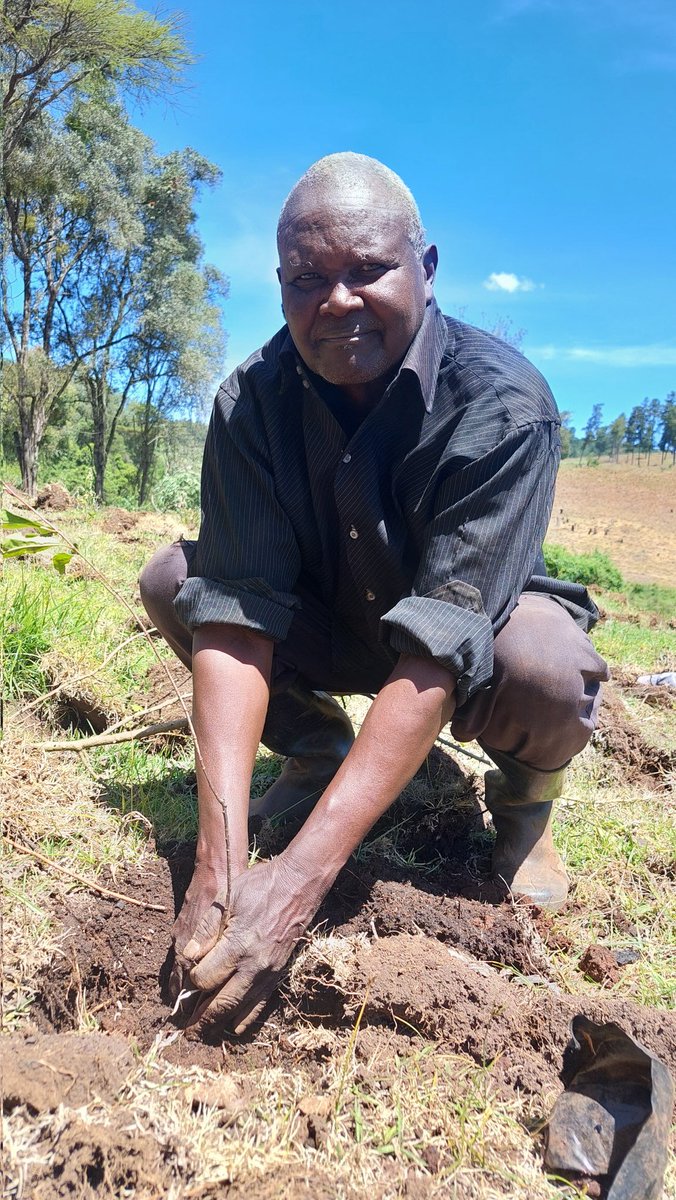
[(490, 518), (247, 562)]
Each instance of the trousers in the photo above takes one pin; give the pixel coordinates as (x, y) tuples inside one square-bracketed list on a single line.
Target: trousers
[(542, 702)]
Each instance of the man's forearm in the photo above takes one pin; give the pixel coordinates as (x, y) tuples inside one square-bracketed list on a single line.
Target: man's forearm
[(400, 728), (231, 673)]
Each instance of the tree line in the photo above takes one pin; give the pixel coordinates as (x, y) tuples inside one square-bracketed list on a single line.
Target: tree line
[(650, 427), (112, 320)]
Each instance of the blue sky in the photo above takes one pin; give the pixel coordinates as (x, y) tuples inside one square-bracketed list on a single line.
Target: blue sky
[(538, 137)]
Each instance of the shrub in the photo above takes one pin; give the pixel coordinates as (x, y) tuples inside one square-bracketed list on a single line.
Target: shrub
[(177, 492), (594, 569)]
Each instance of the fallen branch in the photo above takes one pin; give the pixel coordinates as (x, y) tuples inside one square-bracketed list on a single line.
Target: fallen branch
[(88, 883), (114, 739), (144, 711)]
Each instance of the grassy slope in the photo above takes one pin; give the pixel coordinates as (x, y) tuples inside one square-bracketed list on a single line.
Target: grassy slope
[(619, 842)]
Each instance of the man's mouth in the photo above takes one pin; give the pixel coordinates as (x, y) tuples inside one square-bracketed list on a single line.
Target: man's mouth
[(350, 335)]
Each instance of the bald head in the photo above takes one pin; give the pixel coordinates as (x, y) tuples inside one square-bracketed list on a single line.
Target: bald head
[(357, 181)]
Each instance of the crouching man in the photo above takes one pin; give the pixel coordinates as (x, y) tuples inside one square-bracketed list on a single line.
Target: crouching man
[(377, 483)]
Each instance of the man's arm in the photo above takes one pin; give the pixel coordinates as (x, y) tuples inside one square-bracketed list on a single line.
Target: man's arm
[(273, 904), (231, 672)]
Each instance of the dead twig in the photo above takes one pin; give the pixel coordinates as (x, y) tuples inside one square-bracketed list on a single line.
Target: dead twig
[(88, 883), (145, 711), (113, 739)]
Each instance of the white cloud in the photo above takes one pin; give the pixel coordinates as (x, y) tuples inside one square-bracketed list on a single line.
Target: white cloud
[(505, 281), (656, 354)]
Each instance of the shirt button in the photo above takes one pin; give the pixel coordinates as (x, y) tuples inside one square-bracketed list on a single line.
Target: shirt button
[(299, 369), (353, 533), (370, 595), (305, 383), (347, 458)]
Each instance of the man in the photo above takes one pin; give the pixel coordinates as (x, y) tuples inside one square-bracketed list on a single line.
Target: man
[(377, 482)]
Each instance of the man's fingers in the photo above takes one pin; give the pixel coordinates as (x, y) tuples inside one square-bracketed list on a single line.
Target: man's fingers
[(217, 967), (206, 934), (175, 983), (251, 1008)]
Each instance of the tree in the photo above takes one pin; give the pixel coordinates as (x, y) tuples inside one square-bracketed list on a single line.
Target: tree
[(668, 417), (50, 48), (652, 410), (635, 431), (62, 198), (591, 429), (616, 432), (147, 306)]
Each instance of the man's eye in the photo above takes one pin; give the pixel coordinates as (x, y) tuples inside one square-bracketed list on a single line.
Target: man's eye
[(371, 269), (307, 277)]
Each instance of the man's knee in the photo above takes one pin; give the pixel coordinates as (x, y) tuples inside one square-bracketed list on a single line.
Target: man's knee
[(548, 678), (162, 577)]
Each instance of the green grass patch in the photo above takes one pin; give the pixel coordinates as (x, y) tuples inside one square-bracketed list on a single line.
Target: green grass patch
[(592, 570), (638, 648)]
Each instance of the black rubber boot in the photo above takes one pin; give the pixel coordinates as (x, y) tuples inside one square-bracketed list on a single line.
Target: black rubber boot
[(520, 801), (316, 734)]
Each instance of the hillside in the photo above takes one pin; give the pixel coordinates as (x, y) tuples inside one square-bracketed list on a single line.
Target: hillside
[(625, 510)]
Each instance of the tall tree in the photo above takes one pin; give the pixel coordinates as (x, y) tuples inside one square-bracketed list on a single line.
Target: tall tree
[(591, 429), (635, 431), (616, 432), (62, 198), (146, 306), (668, 416), (49, 48)]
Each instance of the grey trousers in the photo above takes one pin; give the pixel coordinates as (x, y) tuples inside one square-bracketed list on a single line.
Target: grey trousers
[(542, 702)]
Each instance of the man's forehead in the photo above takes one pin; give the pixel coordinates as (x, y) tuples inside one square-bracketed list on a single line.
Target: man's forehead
[(338, 223)]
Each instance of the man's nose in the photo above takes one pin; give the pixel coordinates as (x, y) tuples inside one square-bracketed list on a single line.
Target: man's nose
[(340, 300)]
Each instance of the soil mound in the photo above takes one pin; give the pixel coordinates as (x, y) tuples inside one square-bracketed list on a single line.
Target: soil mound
[(415, 983), (55, 497), (115, 956), (633, 760), (119, 521)]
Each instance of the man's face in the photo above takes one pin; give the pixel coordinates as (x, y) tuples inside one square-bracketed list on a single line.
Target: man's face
[(353, 290)]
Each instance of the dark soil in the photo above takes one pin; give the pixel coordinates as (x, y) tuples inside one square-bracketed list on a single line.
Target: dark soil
[(631, 758), (119, 521), (158, 690), (117, 954)]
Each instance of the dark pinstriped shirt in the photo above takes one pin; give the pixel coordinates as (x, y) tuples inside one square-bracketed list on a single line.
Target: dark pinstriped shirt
[(417, 530)]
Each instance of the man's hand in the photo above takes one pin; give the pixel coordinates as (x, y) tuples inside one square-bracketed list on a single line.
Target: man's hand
[(271, 906)]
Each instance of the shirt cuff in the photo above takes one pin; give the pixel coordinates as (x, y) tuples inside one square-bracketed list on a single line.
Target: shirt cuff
[(248, 602), (457, 637)]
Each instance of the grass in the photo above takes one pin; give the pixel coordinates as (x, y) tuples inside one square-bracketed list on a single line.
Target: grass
[(399, 1114)]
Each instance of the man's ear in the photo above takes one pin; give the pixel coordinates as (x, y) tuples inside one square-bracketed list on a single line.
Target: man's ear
[(279, 275), (430, 261)]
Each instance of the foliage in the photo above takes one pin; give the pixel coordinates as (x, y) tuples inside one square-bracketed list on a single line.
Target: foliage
[(50, 48), (177, 493), (26, 535), (589, 569)]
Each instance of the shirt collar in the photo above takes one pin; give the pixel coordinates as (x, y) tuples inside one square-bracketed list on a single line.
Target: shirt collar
[(422, 359)]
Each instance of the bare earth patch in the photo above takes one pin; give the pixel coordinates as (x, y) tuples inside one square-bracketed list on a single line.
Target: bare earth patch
[(626, 511)]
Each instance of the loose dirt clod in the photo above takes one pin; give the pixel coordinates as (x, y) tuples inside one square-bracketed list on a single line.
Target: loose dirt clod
[(43, 1071), (600, 964)]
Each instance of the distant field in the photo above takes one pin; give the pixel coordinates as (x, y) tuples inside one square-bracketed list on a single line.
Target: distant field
[(627, 511)]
